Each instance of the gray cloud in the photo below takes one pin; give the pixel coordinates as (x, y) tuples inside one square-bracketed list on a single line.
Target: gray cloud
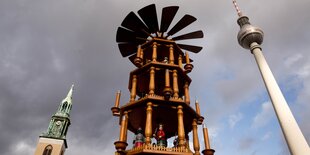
[(246, 143)]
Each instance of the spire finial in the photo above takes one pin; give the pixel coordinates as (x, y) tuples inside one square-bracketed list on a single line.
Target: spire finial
[(69, 96), (237, 8), (70, 91)]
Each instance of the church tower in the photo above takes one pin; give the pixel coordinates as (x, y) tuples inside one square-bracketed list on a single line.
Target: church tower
[(159, 104), (53, 141)]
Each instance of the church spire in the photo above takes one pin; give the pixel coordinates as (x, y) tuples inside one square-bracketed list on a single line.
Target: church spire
[(69, 96), (60, 121), (54, 139), (66, 104)]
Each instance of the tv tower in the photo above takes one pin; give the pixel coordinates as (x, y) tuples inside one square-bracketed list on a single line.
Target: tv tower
[(251, 37)]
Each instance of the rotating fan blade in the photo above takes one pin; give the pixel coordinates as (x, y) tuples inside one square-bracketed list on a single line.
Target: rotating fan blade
[(185, 21), (149, 16), (132, 22), (167, 16), (194, 49), (124, 35), (127, 49), (192, 35)]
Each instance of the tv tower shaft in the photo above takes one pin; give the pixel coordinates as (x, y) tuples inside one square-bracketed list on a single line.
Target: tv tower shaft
[(251, 37)]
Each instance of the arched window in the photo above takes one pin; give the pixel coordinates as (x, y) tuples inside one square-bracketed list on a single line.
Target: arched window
[(48, 150), (64, 106)]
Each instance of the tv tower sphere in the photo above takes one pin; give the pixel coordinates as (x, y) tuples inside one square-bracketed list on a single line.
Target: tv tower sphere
[(248, 33)]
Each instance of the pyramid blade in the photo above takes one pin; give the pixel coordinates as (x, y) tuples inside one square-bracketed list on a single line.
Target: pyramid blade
[(192, 35), (132, 22), (185, 21), (124, 35), (194, 49), (149, 16), (127, 49), (167, 16)]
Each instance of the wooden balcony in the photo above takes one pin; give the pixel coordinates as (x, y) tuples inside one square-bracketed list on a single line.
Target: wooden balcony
[(149, 149)]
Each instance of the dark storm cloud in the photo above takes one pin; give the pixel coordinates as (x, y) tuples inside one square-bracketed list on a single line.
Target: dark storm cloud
[(45, 48)]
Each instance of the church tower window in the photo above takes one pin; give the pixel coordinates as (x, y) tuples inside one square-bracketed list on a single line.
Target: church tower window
[(48, 150)]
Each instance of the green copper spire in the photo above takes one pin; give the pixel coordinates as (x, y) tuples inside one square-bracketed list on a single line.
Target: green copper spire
[(66, 104), (60, 121)]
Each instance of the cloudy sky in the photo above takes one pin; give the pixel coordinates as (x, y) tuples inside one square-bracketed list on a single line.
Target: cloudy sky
[(46, 46)]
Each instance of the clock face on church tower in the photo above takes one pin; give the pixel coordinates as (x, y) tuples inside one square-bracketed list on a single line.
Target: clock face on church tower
[(58, 123), (56, 131)]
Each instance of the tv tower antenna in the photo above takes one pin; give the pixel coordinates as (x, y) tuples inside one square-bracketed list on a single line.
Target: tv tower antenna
[(237, 8), (251, 37)]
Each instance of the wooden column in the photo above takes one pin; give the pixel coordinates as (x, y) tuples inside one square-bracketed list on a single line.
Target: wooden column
[(152, 81), (171, 56), (133, 88), (138, 60), (148, 124), (206, 137), (195, 138), (139, 51), (116, 110), (181, 133), (126, 125), (208, 150), (118, 96), (180, 61), (175, 84), (197, 107), (123, 131), (187, 58), (167, 79), (121, 145), (186, 93), (188, 66), (154, 55), (141, 55), (167, 89)]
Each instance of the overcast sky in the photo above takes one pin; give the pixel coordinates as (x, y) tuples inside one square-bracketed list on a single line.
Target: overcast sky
[(46, 46)]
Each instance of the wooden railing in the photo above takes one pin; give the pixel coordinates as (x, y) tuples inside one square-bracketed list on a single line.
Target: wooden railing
[(158, 148)]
